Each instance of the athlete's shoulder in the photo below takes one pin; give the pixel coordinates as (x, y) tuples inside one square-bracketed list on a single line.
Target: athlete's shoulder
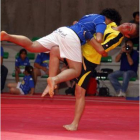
[(110, 30), (91, 16), (18, 58)]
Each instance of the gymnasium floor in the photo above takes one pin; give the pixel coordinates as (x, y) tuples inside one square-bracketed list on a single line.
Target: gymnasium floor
[(34, 118)]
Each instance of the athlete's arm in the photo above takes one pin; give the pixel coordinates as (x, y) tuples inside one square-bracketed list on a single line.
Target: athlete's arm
[(95, 43), (32, 91), (100, 28), (118, 57), (74, 22), (99, 37), (98, 47), (112, 41)]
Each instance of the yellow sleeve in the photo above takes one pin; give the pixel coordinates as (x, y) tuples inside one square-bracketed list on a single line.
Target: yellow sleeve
[(112, 41)]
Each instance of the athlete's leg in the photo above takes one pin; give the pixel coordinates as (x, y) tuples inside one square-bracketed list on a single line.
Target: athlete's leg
[(24, 42), (14, 90), (80, 90), (79, 108), (71, 73), (10, 85), (67, 82), (53, 65)]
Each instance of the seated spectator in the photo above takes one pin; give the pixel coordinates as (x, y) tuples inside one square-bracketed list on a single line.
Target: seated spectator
[(4, 71), (129, 59), (135, 40), (41, 65), (26, 86), (20, 63), (135, 17)]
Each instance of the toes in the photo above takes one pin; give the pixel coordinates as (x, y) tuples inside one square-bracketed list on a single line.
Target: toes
[(51, 93), (44, 93)]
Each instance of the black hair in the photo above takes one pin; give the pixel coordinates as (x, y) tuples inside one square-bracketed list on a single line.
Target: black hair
[(30, 70), (21, 51), (135, 13), (128, 40), (112, 14)]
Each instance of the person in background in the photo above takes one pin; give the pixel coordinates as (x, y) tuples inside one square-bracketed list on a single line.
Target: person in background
[(26, 86), (41, 65), (21, 61), (69, 39), (135, 40), (4, 71), (129, 59), (135, 17)]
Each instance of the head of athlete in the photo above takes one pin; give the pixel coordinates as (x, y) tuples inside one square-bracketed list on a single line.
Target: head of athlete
[(129, 30), (111, 15)]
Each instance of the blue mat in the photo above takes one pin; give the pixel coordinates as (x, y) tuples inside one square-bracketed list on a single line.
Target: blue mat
[(133, 98)]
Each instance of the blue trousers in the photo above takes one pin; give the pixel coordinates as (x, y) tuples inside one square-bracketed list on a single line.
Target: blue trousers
[(113, 77)]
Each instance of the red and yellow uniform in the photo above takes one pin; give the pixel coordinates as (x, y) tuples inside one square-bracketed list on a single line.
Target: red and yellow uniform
[(112, 39), (92, 58)]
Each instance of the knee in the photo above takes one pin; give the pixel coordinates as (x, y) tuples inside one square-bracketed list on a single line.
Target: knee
[(9, 85), (78, 95), (12, 90), (54, 51), (126, 75), (110, 76), (79, 92), (32, 46)]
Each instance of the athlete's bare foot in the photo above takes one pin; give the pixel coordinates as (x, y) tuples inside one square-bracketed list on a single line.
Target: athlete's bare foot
[(46, 91), (70, 127), (4, 36), (51, 84)]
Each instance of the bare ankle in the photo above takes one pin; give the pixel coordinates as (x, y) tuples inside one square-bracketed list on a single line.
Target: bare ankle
[(74, 124), (56, 79)]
